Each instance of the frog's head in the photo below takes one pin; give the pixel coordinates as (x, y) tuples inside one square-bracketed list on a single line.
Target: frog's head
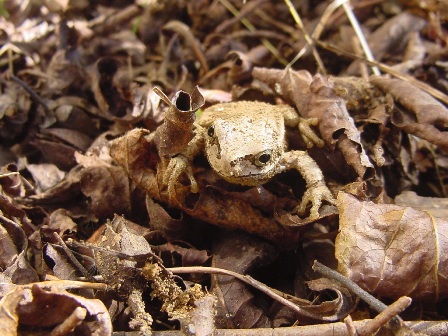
[(245, 150)]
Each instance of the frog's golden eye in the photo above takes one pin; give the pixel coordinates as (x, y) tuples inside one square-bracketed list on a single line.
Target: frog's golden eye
[(211, 131), (263, 158)]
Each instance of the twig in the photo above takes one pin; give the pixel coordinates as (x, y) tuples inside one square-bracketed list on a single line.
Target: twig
[(183, 30), (108, 23), (385, 316), (308, 39), (73, 259), (351, 328), (362, 40), (361, 293), (254, 283), (354, 22), (422, 86), (70, 323), (252, 28), (67, 284), (34, 95)]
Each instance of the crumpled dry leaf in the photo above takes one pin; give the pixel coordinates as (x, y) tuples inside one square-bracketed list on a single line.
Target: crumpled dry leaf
[(315, 97), (163, 221), (422, 116), (9, 319), (108, 188), (392, 250), (110, 87), (15, 268), (391, 36), (236, 306), (188, 256), (14, 109), (139, 158), (46, 175), (339, 307), (58, 307), (177, 129), (62, 269), (57, 153), (120, 274)]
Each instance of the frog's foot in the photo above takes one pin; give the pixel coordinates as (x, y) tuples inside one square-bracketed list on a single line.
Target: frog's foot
[(178, 165), (315, 196), (309, 136)]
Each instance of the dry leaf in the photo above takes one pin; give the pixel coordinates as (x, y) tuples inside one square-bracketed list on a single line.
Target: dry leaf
[(237, 306), (177, 129), (58, 306), (435, 206), (139, 158), (108, 188), (424, 116), (315, 97), (392, 250), (9, 319)]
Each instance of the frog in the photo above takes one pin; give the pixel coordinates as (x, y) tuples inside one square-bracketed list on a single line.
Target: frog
[(245, 143)]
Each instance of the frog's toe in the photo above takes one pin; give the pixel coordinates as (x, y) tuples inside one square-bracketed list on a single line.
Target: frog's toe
[(177, 166), (315, 196)]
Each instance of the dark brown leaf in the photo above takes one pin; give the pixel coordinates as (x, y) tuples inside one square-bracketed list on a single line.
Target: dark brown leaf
[(108, 188), (236, 304)]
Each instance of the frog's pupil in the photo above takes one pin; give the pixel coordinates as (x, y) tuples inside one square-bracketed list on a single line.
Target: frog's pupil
[(264, 158), (211, 131)]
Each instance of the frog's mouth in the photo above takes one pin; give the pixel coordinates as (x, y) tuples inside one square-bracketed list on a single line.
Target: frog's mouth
[(251, 179)]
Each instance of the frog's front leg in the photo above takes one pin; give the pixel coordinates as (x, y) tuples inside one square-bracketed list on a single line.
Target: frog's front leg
[(181, 163), (292, 119), (317, 191)]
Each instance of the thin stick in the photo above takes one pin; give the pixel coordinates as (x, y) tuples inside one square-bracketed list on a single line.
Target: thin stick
[(70, 323), (351, 328), (358, 291), (34, 95), (308, 38), (254, 283), (385, 316), (362, 40), (67, 284), (73, 259), (252, 28), (423, 86)]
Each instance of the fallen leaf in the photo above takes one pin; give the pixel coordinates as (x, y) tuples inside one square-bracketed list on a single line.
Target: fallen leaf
[(424, 116), (391, 250), (58, 306), (9, 319)]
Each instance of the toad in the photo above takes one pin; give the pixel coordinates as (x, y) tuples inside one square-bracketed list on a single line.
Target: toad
[(245, 143)]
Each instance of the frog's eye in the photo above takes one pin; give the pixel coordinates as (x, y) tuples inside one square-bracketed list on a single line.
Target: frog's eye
[(263, 158), (211, 131)]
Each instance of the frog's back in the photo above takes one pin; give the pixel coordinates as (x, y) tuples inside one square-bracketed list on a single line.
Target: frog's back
[(238, 110)]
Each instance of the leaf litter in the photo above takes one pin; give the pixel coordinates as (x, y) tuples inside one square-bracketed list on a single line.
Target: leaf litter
[(98, 104)]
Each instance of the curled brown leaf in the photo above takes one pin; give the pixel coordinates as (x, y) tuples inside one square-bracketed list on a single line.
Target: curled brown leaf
[(424, 116)]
